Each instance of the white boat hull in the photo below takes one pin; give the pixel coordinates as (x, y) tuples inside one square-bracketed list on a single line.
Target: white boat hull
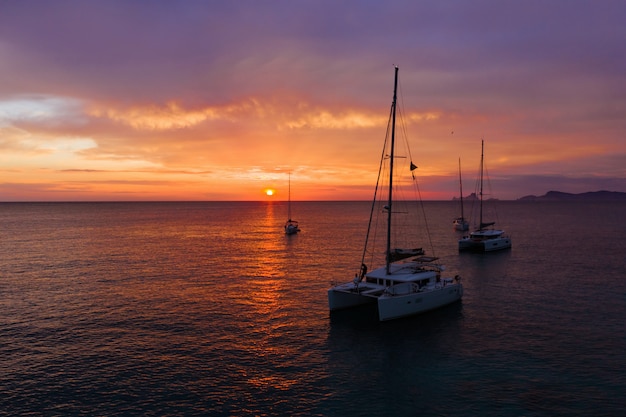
[(460, 224), (461, 227), (413, 292), (291, 227), (347, 296), (397, 306), (488, 245)]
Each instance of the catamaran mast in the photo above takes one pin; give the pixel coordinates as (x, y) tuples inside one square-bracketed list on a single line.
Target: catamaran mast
[(482, 152), (391, 156), (461, 189)]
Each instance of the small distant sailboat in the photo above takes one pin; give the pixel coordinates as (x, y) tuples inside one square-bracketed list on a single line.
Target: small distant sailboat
[(460, 223), (291, 226), (407, 283), (486, 238)]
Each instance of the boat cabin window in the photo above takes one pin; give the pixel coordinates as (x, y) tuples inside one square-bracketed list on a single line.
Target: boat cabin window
[(423, 282), (380, 281)]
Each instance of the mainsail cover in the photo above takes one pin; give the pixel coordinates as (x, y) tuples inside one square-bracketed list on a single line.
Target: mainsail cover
[(483, 225)]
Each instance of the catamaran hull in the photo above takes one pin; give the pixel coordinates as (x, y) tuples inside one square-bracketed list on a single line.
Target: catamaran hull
[(341, 298), (397, 306), (489, 245)]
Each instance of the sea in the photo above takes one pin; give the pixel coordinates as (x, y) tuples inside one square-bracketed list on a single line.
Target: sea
[(209, 309)]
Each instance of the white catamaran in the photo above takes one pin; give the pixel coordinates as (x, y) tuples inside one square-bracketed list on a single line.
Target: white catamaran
[(408, 283), (485, 238)]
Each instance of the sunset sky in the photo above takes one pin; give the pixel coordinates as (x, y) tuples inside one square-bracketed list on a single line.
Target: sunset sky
[(220, 100)]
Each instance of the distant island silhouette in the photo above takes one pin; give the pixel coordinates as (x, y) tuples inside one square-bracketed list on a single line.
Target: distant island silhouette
[(588, 196), (474, 197), (561, 196)]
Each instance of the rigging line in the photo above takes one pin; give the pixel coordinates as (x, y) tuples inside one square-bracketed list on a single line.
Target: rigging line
[(415, 182), (492, 200), (403, 124), (380, 170), (475, 208), (421, 204)]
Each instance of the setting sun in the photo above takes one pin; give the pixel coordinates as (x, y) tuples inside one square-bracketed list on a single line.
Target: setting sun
[(269, 192)]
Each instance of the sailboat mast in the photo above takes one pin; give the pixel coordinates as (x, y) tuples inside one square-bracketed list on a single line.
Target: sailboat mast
[(482, 153), (391, 157), (289, 198), (461, 189)]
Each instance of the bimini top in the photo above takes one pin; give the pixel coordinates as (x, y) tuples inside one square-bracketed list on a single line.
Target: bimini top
[(487, 234), (417, 269)]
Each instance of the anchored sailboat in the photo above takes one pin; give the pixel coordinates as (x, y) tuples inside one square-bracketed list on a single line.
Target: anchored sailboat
[(291, 226), (460, 223), (399, 288), (486, 238)]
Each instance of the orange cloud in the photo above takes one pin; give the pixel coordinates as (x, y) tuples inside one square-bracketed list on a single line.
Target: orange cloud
[(170, 116)]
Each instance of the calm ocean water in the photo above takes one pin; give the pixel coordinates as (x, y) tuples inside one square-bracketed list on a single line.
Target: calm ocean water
[(160, 309)]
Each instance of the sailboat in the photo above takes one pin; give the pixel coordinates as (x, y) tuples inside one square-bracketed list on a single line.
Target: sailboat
[(403, 287), (460, 223), (291, 226), (486, 238)]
